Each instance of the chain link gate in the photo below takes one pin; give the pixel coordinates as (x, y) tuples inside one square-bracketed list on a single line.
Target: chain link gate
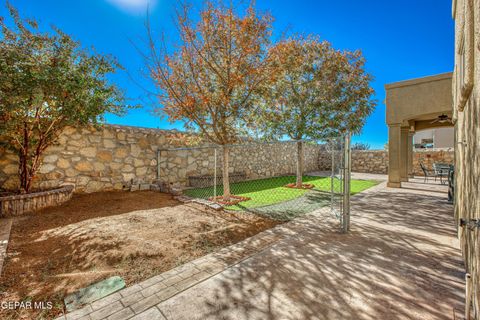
[(340, 176)]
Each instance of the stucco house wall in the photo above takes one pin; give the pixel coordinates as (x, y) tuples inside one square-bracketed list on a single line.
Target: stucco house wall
[(441, 137), (466, 116)]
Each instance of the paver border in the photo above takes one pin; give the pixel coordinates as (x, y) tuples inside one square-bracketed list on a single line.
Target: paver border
[(5, 229)]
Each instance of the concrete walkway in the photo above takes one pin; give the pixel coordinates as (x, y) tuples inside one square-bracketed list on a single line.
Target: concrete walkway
[(400, 261), (5, 228)]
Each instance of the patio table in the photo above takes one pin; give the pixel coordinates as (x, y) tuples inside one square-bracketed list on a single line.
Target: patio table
[(442, 170)]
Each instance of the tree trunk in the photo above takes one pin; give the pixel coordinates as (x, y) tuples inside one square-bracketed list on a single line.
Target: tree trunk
[(28, 163), (299, 163), (23, 162), (23, 172), (226, 180)]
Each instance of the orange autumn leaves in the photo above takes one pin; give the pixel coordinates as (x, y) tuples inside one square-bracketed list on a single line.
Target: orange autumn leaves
[(226, 77), (218, 71), (318, 91), (227, 80)]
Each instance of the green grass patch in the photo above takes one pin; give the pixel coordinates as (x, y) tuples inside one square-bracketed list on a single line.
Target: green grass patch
[(264, 192)]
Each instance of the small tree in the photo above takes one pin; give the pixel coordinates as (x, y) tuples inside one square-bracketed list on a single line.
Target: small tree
[(319, 92), (219, 69), (47, 83), (360, 146)]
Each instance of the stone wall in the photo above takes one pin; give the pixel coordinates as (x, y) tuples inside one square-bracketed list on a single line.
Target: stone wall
[(93, 159), (114, 156), (376, 161), (255, 160), (370, 161), (429, 157)]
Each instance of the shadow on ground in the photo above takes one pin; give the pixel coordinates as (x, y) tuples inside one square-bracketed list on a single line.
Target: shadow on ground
[(400, 261)]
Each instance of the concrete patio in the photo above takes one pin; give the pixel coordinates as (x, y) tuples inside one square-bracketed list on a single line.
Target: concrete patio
[(401, 260)]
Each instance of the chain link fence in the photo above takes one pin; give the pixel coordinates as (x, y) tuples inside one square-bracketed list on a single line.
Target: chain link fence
[(262, 177)]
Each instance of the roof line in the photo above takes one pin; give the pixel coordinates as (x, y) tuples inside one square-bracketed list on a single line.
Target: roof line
[(410, 82)]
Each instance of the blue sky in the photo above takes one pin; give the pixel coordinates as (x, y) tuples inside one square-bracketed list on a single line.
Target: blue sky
[(400, 39)]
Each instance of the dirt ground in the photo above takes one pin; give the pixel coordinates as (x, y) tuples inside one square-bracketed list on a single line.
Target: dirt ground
[(94, 236)]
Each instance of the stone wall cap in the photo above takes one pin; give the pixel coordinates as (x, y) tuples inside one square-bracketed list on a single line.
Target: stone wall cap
[(373, 150), (141, 129), (65, 188)]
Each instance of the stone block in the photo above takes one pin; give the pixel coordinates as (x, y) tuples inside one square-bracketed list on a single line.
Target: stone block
[(63, 163), (127, 177), (121, 152), (10, 169), (93, 186), (89, 152), (109, 144), (84, 166), (143, 143), (135, 150), (141, 171), (70, 172), (46, 168), (138, 162), (104, 155), (98, 166), (50, 158), (127, 168)]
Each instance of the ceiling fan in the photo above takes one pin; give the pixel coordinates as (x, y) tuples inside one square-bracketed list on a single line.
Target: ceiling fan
[(442, 119)]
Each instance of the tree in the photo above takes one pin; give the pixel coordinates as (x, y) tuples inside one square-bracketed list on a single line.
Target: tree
[(219, 69), (47, 82), (360, 146), (319, 92)]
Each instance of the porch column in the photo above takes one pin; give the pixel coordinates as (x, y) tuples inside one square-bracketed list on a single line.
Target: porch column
[(411, 171), (394, 138), (404, 159)]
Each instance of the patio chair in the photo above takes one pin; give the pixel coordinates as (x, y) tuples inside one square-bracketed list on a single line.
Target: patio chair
[(427, 173), (441, 170)]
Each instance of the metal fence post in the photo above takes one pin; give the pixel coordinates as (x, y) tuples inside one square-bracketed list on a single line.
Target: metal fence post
[(346, 185), (158, 164), (332, 177), (215, 175)]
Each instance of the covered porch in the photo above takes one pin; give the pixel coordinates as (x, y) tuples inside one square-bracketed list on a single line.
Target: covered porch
[(412, 106)]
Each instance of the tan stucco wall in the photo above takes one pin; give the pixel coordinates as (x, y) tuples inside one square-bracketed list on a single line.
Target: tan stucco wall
[(442, 137), (466, 109), (410, 99)]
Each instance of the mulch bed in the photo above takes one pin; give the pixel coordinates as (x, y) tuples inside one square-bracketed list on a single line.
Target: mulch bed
[(233, 200), (304, 186)]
